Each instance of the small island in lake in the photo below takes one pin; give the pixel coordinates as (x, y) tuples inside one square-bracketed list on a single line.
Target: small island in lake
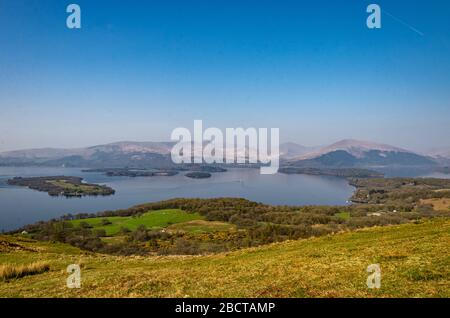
[(62, 186), (126, 172), (198, 175), (206, 168), (195, 171)]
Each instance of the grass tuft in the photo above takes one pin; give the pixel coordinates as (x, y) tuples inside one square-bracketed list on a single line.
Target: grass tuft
[(11, 271)]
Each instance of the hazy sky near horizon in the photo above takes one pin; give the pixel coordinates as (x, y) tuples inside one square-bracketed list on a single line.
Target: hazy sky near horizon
[(138, 69)]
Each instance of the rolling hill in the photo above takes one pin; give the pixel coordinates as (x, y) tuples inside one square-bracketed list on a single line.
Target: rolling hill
[(356, 148), (354, 153), (123, 147), (413, 258), (119, 154)]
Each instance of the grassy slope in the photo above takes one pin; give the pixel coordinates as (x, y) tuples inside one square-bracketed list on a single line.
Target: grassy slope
[(414, 259), (154, 219)]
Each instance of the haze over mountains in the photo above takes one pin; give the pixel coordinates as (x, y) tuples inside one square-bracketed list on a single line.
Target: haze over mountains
[(122, 147), (290, 150), (440, 153), (345, 153), (354, 147)]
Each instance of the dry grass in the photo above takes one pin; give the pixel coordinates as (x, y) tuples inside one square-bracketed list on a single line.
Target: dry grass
[(414, 260), (11, 271), (438, 204)]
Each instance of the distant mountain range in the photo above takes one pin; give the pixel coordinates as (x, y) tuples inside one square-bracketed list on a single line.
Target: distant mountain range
[(356, 148), (119, 154), (117, 147), (345, 153), (355, 153), (440, 153), (290, 150)]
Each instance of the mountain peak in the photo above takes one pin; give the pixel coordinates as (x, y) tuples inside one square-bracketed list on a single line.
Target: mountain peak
[(348, 143), (354, 147), (134, 146)]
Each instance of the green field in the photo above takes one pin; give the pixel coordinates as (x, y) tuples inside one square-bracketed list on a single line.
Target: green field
[(343, 215), (414, 260), (151, 220)]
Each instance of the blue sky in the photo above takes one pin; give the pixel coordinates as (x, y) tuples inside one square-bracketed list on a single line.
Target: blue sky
[(138, 69)]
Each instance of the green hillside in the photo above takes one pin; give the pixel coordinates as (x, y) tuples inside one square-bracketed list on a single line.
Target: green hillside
[(414, 260)]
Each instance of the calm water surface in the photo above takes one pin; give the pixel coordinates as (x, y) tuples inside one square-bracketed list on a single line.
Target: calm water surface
[(20, 206)]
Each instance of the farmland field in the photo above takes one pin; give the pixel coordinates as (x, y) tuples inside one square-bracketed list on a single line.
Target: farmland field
[(151, 220)]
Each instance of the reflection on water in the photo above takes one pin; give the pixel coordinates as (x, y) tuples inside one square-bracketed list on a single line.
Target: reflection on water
[(20, 206)]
